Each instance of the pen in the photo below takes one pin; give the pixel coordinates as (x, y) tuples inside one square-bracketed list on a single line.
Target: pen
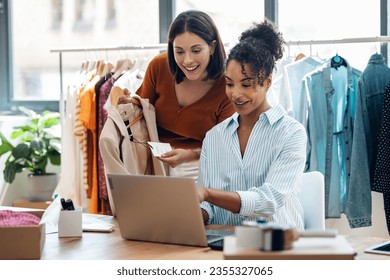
[(67, 205), (63, 204), (70, 204)]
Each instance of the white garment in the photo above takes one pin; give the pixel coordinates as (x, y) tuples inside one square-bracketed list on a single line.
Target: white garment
[(69, 185), (277, 95), (129, 81), (187, 169)]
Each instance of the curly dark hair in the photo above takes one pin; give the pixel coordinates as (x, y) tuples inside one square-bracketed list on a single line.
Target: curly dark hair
[(259, 47)]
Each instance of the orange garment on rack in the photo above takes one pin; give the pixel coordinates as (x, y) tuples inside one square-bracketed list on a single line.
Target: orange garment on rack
[(88, 118), (79, 129)]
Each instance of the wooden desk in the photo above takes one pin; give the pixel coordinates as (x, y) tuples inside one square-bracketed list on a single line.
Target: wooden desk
[(111, 246)]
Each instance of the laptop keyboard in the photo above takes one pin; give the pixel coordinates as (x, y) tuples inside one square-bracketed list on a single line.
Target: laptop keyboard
[(211, 237), (214, 235), (385, 247)]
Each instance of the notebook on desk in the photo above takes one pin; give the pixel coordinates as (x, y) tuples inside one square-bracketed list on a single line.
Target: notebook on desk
[(160, 209)]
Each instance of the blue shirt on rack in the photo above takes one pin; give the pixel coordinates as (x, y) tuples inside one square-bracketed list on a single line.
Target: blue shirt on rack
[(332, 95)]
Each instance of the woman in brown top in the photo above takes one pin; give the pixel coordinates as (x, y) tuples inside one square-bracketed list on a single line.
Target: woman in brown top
[(186, 85)]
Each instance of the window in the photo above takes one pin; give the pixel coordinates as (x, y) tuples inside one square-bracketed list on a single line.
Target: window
[(56, 14), (84, 14), (331, 19), (29, 71), (111, 14), (231, 17)]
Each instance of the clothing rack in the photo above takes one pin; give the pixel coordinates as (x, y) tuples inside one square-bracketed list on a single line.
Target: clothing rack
[(162, 46), (376, 39)]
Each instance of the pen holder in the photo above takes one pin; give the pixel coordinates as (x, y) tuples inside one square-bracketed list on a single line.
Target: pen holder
[(70, 223), (248, 237)]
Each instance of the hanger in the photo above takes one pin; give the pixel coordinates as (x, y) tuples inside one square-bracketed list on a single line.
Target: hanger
[(115, 93), (107, 68), (337, 61), (84, 66), (299, 56), (120, 96), (125, 64), (100, 67), (91, 65)]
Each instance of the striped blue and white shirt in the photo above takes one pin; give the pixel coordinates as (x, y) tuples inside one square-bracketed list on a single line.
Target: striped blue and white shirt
[(265, 177)]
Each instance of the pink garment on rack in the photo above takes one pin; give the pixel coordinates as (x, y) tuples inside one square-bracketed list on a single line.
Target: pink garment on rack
[(104, 92)]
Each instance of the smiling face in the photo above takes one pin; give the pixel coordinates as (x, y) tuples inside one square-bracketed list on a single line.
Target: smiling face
[(192, 55), (248, 97)]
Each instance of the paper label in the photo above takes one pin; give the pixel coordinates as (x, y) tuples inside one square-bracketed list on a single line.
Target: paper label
[(159, 148)]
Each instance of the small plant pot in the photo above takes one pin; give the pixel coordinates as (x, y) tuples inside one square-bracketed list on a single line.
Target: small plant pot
[(41, 187)]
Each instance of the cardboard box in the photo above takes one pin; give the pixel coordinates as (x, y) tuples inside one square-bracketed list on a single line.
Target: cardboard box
[(22, 242), (31, 204)]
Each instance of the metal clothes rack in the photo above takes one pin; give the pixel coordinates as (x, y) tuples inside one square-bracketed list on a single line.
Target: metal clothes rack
[(97, 49), (376, 39)]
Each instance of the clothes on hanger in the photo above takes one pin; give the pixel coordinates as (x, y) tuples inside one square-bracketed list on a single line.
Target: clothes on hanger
[(381, 178), (330, 126), (102, 91), (292, 85), (129, 154), (70, 180), (369, 151), (275, 95), (323, 97)]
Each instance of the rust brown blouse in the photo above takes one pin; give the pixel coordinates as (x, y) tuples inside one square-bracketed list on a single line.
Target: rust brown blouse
[(182, 127)]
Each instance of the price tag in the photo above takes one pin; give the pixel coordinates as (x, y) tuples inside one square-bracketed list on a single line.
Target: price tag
[(159, 148)]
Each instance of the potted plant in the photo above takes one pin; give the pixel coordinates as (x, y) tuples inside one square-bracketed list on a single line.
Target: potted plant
[(37, 145)]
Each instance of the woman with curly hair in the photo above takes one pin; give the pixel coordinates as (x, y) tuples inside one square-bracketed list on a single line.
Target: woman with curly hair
[(251, 162)]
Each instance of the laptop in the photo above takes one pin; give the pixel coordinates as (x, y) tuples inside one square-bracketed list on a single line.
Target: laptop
[(160, 209)]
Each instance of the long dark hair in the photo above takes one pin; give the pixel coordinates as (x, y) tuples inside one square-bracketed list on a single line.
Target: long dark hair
[(200, 24)]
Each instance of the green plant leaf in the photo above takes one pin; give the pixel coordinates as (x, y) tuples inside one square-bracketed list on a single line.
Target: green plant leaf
[(30, 113), (17, 133), (54, 157), (37, 145), (55, 144), (50, 120), (21, 151), (5, 146), (10, 170), (39, 167)]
